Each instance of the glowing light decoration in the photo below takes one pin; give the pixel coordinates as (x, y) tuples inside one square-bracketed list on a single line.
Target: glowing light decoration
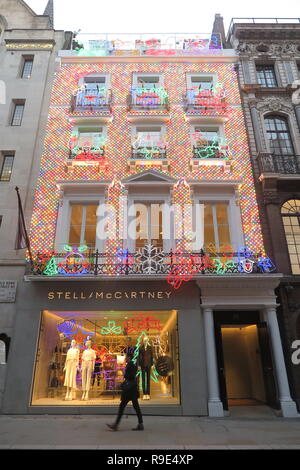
[(118, 149), (141, 322), (111, 329), (51, 268), (74, 263)]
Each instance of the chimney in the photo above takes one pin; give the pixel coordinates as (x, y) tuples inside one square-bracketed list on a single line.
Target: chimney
[(218, 27)]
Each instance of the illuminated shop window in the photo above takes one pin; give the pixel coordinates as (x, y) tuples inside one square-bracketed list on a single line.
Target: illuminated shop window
[(94, 371), (83, 223), (290, 212)]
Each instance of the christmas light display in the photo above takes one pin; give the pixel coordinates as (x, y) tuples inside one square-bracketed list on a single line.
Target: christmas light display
[(118, 151)]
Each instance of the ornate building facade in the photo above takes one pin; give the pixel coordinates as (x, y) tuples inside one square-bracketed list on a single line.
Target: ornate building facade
[(269, 65)]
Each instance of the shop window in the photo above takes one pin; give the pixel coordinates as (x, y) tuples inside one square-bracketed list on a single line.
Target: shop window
[(290, 212), (111, 335)]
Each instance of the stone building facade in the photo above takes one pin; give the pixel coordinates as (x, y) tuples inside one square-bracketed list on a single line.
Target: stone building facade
[(28, 49), (269, 74)]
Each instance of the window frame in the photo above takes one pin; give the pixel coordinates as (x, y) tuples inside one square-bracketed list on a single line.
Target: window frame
[(190, 76), (16, 103), (297, 246), (289, 132), (136, 75), (26, 58), (276, 75), (3, 157), (105, 84)]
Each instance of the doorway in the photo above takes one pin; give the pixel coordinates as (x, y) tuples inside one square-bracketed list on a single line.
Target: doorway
[(242, 365)]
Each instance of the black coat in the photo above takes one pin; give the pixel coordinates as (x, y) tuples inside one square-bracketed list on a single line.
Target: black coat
[(130, 389), (145, 358)]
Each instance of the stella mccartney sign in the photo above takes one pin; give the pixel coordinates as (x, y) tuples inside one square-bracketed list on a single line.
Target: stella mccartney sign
[(100, 295)]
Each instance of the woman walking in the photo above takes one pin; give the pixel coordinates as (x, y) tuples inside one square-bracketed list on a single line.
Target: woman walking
[(129, 393)]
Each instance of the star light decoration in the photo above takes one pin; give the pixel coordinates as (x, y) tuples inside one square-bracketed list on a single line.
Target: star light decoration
[(59, 129)]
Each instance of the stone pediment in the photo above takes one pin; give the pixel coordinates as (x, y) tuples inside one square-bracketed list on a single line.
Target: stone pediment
[(149, 176)]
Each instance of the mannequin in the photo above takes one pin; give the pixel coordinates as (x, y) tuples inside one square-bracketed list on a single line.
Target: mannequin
[(71, 366), (87, 368), (145, 362)]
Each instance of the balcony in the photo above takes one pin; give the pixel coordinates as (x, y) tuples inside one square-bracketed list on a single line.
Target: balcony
[(148, 261), (141, 98), (213, 153), (93, 100), (278, 165), (148, 156), (209, 102)]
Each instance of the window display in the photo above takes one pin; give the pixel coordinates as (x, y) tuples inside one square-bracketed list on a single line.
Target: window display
[(81, 357)]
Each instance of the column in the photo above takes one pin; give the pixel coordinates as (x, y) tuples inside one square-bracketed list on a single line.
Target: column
[(256, 128), (288, 406), (215, 406)]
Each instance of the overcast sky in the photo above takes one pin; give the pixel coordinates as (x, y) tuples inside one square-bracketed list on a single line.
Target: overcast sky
[(159, 16)]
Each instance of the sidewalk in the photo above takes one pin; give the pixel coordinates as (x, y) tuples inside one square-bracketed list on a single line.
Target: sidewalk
[(90, 432)]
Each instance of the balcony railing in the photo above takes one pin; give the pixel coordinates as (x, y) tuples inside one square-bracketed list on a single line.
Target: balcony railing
[(214, 150), (149, 260), (280, 164), (206, 100), (92, 99), (87, 154), (149, 153), (148, 98)]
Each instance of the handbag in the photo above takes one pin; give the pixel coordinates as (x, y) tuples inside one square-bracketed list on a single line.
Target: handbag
[(128, 385)]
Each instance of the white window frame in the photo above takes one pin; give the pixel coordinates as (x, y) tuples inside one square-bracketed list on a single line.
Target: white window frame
[(134, 131), (137, 75), (106, 76), (190, 84), (220, 128), (64, 219), (164, 199), (233, 212), (91, 126)]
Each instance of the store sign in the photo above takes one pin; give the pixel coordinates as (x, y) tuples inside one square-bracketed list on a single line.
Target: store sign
[(8, 290), (117, 295)]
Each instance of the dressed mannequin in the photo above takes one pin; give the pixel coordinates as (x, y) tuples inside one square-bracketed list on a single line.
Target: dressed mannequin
[(71, 366), (145, 362), (87, 368)]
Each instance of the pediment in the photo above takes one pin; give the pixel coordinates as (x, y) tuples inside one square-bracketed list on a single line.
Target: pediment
[(149, 176)]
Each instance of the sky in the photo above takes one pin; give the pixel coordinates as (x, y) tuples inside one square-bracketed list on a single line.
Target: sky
[(158, 16)]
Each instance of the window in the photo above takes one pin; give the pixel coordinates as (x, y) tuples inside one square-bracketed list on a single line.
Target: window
[(83, 221), (112, 334), (216, 225), (149, 142), (27, 65), (266, 76), (6, 169), (94, 83), (147, 80), (290, 212), (201, 82), (150, 136), (278, 135), (208, 142), (1, 218), (18, 111), (149, 225)]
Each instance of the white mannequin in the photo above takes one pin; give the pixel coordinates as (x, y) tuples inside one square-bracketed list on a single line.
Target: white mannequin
[(71, 366), (87, 368)]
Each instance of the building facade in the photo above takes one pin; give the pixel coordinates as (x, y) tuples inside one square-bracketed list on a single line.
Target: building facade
[(28, 48), (146, 236), (269, 77)]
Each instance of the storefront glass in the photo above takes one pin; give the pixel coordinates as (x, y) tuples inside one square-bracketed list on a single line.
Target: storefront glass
[(81, 357)]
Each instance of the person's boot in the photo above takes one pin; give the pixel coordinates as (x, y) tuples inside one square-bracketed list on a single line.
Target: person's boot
[(113, 427), (140, 427)]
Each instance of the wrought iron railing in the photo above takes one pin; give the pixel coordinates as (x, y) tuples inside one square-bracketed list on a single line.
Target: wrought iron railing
[(92, 99), (148, 98), (148, 261), (282, 164), (87, 154), (149, 153), (205, 100), (210, 151)]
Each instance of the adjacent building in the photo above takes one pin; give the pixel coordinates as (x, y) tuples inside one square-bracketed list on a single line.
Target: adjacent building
[(28, 48), (269, 74)]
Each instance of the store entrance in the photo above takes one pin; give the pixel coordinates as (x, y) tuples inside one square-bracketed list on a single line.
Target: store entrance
[(246, 375)]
